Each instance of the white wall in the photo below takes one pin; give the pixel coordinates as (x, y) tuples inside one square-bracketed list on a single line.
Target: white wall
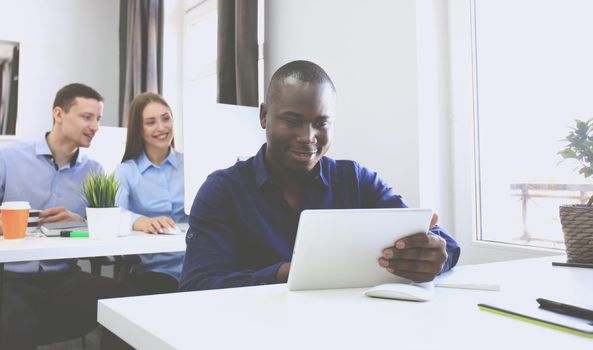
[(434, 117), (172, 63), (369, 50), (62, 41)]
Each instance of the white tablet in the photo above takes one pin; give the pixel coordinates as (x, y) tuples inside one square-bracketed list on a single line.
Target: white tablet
[(340, 248)]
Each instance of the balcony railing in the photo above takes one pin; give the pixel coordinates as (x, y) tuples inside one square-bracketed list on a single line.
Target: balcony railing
[(573, 192)]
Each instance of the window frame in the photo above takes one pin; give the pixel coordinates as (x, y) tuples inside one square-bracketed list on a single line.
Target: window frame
[(464, 143)]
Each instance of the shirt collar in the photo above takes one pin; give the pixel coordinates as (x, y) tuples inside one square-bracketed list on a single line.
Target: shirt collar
[(259, 166), (262, 175), (322, 171), (145, 163), (42, 149)]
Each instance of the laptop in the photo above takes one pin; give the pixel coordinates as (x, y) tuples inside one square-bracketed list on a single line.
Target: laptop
[(340, 248)]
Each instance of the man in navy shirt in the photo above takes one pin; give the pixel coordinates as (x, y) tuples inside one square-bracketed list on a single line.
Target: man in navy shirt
[(244, 219)]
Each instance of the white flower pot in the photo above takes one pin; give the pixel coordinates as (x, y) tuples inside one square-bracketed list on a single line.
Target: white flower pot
[(104, 222)]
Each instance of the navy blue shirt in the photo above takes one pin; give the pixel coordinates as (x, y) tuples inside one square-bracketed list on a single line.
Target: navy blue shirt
[(242, 229)]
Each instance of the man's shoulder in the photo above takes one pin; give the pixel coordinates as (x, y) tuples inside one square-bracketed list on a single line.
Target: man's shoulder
[(345, 171), (89, 163), (18, 153), (237, 177), (224, 184), (18, 147), (233, 174), (340, 165)]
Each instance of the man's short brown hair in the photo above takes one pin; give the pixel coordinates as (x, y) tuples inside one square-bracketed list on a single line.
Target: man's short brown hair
[(65, 96)]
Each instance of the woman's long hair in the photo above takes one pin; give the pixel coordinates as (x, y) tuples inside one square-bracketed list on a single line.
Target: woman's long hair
[(134, 138)]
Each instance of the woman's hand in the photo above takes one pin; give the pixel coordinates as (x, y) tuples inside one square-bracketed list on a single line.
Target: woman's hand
[(153, 225)]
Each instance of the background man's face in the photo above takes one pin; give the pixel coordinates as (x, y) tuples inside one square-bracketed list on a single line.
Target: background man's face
[(81, 122), (298, 119)]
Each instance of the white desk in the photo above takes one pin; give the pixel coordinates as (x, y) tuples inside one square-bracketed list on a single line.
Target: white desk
[(45, 248), (270, 317)]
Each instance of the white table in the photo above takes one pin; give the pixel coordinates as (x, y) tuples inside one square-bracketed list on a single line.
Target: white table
[(45, 248), (271, 317)]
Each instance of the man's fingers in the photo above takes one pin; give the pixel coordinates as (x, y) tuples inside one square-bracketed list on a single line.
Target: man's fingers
[(51, 211), (417, 277), (61, 216), (416, 268), (47, 212), (434, 220), (57, 214), (420, 240), (413, 241), (413, 254)]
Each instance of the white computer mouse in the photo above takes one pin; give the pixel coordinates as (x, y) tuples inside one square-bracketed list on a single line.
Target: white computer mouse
[(172, 231), (402, 291)]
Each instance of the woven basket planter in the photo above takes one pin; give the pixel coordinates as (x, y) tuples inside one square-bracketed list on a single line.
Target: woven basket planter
[(577, 225)]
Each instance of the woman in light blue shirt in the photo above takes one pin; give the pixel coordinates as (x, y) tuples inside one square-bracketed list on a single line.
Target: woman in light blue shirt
[(151, 187)]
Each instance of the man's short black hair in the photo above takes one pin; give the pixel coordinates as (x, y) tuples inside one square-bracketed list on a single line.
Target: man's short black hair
[(301, 70), (66, 95)]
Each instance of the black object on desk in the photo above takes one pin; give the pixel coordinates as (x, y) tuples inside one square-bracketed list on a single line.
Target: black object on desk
[(529, 313), (557, 263), (74, 234), (565, 309)]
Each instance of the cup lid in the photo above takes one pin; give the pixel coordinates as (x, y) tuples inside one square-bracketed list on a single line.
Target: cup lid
[(15, 205)]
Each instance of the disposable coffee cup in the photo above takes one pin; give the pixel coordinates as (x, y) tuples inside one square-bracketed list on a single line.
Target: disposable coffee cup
[(15, 216)]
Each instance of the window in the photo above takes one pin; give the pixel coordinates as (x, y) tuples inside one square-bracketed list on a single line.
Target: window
[(533, 76), (200, 52)]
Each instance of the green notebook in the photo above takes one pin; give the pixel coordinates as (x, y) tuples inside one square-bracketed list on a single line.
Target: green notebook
[(532, 313)]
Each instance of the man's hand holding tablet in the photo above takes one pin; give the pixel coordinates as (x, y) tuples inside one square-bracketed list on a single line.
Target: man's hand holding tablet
[(418, 257)]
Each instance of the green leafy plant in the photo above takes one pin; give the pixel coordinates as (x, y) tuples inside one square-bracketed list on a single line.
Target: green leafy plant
[(580, 148), (100, 190)]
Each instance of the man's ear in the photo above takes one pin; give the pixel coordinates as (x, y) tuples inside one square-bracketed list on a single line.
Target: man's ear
[(263, 113), (57, 114)]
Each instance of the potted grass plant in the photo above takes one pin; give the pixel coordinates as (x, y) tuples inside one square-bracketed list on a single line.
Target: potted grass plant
[(577, 219), (103, 216)]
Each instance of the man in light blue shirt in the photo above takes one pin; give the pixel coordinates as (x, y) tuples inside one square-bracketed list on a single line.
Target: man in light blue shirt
[(49, 301), (53, 188)]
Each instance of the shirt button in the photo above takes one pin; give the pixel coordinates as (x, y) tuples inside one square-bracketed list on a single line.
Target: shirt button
[(190, 235)]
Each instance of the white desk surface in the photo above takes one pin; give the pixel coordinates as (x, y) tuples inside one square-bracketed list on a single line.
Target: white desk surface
[(271, 317), (45, 248)]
